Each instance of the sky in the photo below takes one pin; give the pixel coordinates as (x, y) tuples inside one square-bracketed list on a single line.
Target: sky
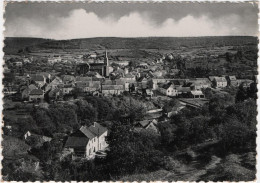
[(83, 20)]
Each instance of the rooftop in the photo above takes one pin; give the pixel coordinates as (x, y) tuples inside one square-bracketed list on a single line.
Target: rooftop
[(36, 92)]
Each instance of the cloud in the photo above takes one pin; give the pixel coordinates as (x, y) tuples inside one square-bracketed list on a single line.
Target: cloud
[(82, 24)]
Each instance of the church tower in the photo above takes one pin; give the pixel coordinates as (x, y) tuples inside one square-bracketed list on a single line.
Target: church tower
[(107, 65)]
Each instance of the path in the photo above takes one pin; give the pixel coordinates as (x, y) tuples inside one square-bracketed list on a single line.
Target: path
[(193, 170)]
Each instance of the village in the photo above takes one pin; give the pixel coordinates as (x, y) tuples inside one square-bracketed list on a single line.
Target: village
[(36, 82), (129, 92)]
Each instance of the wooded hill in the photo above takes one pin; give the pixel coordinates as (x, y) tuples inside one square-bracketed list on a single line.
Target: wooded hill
[(12, 45)]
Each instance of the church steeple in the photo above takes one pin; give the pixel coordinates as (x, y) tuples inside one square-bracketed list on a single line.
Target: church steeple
[(107, 65), (106, 59)]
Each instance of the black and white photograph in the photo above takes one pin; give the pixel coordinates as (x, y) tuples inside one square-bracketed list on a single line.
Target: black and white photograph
[(129, 91)]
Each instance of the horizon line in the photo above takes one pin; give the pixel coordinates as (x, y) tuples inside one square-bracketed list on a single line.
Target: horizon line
[(132, 37)]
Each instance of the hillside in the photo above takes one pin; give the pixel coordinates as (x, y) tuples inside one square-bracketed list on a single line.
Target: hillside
[(13, 44), (101, 43)]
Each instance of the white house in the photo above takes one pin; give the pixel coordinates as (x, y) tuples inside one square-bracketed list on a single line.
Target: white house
[(219, 82), (168, 89), (86, 141), (54, 59)]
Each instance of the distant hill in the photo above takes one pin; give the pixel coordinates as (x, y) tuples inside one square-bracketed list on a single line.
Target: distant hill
[(13, 44), (102, 43)]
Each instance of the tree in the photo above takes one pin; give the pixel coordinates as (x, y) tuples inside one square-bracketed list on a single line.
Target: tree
[(252, 91), (131, 151), (75, 92), (228, 57), (169, 105), (241, 94)]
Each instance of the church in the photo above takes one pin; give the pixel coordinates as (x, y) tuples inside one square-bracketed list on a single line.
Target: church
[(102, 68)]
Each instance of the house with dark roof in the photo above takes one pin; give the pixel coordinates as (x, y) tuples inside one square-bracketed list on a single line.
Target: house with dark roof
[(244, 82), (147, 125), (26, 91), (38, 78), (87, 140), (183, 91), (36, 95), (54, 83)]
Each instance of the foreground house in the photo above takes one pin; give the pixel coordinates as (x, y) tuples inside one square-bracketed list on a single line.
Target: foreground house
[(87, 140)]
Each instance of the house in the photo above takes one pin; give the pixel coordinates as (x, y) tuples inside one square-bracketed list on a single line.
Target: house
[(219, 82), (27, 90), (36, 95), (35, 140), (46, 75), (54, 83), (54, 59), (67, 89), (142, 82), (147, 125), (168, 89), (197, 94), (231, 80), (149, 92), (183, 91), (245, 82), (89, 86), (128, 77), (200, 83), (87, 140), (101, 132), (68, 79), (54, 93), (143, 65), (19, 64), (112, 89), (211, 78), (39, 79), (26, 60), (157, 80)]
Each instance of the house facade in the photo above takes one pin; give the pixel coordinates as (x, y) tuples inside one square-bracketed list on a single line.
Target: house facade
[(36, 95), (219, 82), (112, 89), (232, 81), (86, 141), (168, 90)]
